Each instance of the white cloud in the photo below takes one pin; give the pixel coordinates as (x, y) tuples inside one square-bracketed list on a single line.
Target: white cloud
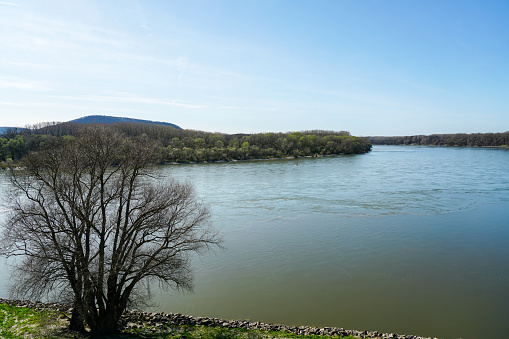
[(30, 32), (23, 84), (134, 99), (235, 107)]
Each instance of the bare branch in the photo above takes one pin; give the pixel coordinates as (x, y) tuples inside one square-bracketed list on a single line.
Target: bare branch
[(89, 218)]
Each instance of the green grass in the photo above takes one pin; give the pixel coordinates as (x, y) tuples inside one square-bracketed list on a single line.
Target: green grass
[(22, 322), (203, 332)]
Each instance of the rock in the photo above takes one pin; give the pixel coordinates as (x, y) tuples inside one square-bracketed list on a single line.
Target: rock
[(137, 319)]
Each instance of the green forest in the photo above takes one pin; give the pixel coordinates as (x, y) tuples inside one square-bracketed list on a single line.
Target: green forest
[(181, 146), (453, 140)]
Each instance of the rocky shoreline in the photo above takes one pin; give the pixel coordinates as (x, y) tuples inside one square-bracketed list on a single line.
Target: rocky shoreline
[(138, 319)]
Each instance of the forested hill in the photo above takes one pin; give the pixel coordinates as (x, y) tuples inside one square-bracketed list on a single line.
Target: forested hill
[(105, 119), (4, 129), (99, 119), (458, 139), (178, 145)]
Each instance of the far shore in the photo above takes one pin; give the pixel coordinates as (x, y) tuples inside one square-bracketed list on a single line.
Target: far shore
[(263, 159)]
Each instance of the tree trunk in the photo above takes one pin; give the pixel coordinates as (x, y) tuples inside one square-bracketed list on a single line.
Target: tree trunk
[(77, 322), (107, 323)]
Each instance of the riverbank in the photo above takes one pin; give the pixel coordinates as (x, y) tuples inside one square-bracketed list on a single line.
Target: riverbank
[(257, 159), (137, 324), (16, 166)]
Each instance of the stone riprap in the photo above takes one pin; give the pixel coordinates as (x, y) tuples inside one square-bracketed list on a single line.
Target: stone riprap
[(139, 319)]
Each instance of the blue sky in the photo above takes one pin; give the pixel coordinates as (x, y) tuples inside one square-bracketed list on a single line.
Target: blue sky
[(370, 67)]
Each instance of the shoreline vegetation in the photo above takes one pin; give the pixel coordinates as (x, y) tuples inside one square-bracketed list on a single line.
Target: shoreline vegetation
[(260, 159), (28, 319), (190, 146), (450, 140)]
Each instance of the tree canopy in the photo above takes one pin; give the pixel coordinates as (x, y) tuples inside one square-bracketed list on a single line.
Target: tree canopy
[(458, 139), (177, 145), (94, 226)]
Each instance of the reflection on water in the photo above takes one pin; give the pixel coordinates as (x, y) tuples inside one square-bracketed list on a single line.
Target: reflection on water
[(403, 239)]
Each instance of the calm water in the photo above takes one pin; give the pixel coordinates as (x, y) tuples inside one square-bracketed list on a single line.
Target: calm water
[(402, 239)]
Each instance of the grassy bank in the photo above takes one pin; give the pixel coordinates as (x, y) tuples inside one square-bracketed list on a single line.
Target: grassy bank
[(22, 322)]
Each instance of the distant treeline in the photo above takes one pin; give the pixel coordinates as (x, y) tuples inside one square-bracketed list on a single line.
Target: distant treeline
[(179, 145), (458, 139)]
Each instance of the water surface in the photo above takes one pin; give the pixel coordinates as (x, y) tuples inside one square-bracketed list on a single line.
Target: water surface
[(402, 239)]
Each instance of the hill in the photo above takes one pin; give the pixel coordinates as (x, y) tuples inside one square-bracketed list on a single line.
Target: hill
[(6, 129), (105, 119)]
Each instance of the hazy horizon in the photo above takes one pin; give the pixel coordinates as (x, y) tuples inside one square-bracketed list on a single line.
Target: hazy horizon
[(148, 121)]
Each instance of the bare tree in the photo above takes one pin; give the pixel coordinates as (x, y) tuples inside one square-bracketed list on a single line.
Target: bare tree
[(91, 222)]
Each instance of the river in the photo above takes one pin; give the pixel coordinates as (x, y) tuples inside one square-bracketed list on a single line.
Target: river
[(403, 239)]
